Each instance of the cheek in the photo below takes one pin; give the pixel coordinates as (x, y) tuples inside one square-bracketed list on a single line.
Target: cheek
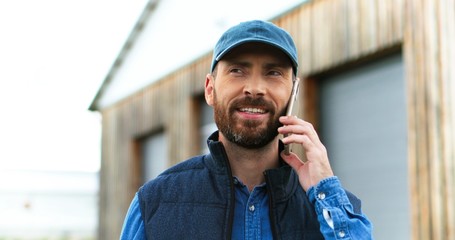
[(282, 99), (220, 100), (224, 95)]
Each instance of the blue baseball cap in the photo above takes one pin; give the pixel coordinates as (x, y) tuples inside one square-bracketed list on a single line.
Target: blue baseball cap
[(255, 31)]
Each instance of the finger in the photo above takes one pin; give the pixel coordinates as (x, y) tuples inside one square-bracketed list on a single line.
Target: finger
[(303, 140), (289, 120), (301, 128), (292, 159), (297, 125), (298, 129)]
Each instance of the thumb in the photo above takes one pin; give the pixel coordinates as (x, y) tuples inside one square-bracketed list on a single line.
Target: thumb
[(292, 159)]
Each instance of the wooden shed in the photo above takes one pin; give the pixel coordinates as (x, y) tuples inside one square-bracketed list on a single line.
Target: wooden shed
[(378, 83)]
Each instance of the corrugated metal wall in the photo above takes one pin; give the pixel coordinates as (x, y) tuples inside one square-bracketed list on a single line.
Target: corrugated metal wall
[(329, 34)]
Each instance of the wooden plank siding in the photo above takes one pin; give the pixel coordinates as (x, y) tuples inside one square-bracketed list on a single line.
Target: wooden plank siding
[(330, 35), (430, 61)]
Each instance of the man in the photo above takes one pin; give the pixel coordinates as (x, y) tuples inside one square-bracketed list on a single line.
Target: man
[(247, 187)]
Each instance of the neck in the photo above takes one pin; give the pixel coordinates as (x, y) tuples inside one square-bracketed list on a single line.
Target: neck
[(249, 164)]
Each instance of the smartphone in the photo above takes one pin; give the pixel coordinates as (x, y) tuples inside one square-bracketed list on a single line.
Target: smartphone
[(295, 89)]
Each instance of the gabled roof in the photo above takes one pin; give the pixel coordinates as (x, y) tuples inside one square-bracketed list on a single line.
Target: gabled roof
[(137, 29)]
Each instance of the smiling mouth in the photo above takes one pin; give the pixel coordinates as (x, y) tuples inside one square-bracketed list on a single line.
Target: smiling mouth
[(253, 110)]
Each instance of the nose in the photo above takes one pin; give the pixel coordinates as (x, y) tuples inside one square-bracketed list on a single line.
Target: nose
[(255, 87)]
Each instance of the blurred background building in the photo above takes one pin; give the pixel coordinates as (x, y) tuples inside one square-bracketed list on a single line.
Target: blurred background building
[(378, 84), (53, 57), (48, 204)]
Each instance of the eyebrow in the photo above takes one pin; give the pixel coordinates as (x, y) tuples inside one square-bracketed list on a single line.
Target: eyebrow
[(277, 65), (238, 62)]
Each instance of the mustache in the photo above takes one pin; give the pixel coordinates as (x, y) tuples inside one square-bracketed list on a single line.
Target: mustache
[(249, 101)]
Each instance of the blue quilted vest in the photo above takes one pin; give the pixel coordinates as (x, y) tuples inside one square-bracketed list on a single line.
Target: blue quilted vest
[(195, 200)]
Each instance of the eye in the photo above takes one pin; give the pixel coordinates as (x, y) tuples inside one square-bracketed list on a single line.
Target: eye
[(274, 73), (235, 71)]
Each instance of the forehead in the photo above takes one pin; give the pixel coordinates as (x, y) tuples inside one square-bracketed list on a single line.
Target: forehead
[(260, 49)]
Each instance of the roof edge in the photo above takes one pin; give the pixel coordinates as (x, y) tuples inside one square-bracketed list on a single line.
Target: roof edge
[(125, 50)]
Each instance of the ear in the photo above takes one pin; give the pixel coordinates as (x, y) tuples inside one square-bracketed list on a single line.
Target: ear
[(209, 88)]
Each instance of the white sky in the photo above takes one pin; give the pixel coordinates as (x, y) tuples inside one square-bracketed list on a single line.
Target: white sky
[(54, 55)]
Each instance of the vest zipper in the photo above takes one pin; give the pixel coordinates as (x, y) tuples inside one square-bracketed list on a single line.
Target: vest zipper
[(232, 206), (273, 224), (232, 197)]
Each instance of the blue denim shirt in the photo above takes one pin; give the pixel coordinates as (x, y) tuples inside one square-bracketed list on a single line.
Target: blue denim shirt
[(335, 214), (251, 213)]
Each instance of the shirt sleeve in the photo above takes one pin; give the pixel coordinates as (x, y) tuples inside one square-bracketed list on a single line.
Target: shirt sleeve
[(133, 226), (335, 212)]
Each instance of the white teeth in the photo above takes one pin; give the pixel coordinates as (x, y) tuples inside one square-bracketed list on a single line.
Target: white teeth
[(252, 110)]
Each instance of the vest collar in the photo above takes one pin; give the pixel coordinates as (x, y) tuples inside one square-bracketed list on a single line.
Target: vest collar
[(281, 181)]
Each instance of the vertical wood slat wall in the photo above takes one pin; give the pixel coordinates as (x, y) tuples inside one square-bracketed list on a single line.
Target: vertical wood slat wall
[(328, 34), (430, 74), (166, 105)]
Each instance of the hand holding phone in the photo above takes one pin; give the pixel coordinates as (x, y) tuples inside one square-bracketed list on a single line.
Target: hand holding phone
[(295, 88)]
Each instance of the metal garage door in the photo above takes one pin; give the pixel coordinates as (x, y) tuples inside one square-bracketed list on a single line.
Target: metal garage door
[(363, 126)]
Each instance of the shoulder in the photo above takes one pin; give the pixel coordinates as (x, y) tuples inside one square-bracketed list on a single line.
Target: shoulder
[(133, 226), (174, 178), (189, 182), (190, 164)]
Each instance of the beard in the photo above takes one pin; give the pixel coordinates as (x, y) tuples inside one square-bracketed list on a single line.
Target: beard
[(249, 134)]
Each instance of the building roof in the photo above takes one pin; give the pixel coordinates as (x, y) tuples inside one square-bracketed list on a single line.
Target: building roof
[(146, 56)]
